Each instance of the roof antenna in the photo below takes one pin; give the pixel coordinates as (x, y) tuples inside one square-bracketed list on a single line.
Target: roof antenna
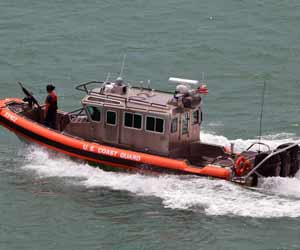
[(107, 77), (149, 84), (261, 112), (142, 85), (104, 83), (203, 81), (123, 65)]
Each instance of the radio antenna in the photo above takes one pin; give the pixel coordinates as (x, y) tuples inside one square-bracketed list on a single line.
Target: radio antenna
[(103, 84), (107, 77), (261, 112), (203, 78), (123, 65)]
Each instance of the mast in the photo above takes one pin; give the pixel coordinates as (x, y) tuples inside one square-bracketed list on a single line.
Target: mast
[(261, 112)]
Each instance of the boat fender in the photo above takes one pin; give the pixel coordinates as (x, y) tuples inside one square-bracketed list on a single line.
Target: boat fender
[(242, 165)]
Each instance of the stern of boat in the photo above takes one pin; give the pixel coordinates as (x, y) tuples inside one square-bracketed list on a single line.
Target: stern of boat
[(251, 165)]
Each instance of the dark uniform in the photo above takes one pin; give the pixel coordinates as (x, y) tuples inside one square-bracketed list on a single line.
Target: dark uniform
[(51, 107)]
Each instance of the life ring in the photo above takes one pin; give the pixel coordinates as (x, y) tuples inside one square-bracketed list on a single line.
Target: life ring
[(242, 165)]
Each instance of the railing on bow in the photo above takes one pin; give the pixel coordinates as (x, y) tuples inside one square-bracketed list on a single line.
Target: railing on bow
[(84, 86)]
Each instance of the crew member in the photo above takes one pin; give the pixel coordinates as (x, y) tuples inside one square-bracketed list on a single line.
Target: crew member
[(51, 107)]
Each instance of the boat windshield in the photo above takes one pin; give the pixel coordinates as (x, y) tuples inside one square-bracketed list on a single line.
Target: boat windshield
[(94, 112)]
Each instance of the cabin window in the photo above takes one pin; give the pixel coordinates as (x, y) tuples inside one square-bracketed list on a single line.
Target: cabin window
[(137, 121), (201, 116), (185, 123), (174, 125), (132, 120), (128, 120), (196, 117), (159, 126), (95, 113), (155, 124), (111, 118), (150, 124)]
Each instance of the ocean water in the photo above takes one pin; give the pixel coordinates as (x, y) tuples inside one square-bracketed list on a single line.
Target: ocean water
[(49, 201)]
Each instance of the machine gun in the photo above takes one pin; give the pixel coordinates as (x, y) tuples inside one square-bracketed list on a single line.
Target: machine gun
[(29, 96)]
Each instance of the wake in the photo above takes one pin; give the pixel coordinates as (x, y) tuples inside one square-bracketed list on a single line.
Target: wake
[(274, 197)]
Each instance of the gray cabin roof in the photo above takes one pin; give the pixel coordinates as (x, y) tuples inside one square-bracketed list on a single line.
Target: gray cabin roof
[(121, 96), (135, 98)]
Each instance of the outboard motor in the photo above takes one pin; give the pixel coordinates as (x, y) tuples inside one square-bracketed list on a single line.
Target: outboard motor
[(295, 160), (284, 164), (270, 168), (290, 160)]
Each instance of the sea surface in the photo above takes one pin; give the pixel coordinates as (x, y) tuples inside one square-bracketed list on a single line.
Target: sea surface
[(49, 201)]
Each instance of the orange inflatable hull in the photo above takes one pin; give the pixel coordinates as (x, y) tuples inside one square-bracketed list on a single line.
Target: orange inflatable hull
[(97, 153)]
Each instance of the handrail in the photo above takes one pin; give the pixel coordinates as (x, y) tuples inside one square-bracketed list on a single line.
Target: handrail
[(133, 99), (76, 110), (106, 96), (268, 157), (258, 143), (83, 86)]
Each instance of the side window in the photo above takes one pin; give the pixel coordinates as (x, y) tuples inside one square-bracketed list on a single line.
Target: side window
[(137, 121), (132, 120), (185, 123), (201, 116), (155, 124), (159, 125), (174, 125), (94, 112), (150, 123), (128, 120), (111, 118), (196, 117)]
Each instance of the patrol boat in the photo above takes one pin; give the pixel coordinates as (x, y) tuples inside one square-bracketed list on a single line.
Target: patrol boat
[(145, 130)]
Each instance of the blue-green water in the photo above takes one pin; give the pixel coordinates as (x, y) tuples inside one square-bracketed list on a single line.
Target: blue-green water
[(48, 201)]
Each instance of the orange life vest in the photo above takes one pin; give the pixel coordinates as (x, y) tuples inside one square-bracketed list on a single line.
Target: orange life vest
[(51, 102)]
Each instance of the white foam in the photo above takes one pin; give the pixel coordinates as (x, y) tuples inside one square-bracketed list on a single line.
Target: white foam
[(240, 144), (275, 197)]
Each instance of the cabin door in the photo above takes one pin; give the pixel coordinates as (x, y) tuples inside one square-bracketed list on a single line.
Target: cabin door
[(111, 126), (184, 126)]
